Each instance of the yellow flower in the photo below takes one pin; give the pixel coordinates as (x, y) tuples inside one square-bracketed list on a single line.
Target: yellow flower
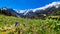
[(3, 32)]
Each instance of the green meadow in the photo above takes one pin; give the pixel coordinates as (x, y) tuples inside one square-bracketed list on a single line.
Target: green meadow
[(50, 25)]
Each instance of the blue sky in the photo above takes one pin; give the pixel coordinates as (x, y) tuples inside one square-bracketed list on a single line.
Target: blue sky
[(24, 4)]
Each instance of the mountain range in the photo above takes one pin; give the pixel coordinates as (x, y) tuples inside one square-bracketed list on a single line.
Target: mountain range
[(32, 13)]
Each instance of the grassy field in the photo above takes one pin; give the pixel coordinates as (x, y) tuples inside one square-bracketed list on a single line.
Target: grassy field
[(28, 26)]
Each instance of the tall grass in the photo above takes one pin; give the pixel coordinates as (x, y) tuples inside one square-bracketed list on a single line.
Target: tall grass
[(30, 26)]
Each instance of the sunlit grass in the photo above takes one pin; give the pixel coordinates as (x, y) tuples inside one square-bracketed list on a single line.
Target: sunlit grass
[(29, 26)]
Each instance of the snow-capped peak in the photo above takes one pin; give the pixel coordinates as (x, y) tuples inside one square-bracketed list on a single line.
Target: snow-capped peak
[(56, 4), (53, 4)]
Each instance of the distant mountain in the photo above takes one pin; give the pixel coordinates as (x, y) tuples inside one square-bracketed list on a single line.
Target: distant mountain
[(7, 11), (33, 13), (42, 11)]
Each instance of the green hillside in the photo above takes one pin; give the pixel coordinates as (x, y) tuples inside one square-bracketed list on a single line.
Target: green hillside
[(29, 26)]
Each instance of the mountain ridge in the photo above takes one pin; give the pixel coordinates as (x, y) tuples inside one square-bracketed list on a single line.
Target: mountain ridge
[(34, 13)]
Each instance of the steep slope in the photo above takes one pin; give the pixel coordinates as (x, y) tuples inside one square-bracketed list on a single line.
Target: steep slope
[(44, 11)]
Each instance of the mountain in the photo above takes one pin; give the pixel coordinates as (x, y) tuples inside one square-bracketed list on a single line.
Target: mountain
[(33, 13), (42, 11), (7, 11)]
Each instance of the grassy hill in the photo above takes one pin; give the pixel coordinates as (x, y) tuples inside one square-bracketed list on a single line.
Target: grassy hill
[(28, 26)]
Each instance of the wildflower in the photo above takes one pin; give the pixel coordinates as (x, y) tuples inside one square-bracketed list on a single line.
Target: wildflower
[(2, 32), (16, 23)]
